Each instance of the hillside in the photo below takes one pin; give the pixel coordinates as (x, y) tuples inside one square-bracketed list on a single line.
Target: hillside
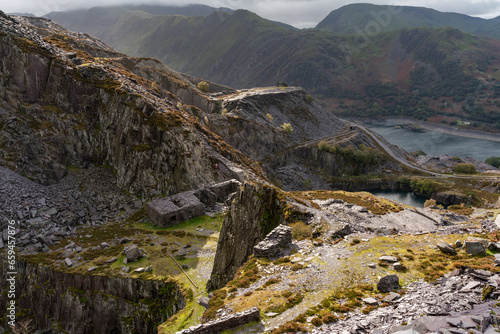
[(426, 72), (128, 191), (98, 20), (453, 72), (369, 19), (225, 48)]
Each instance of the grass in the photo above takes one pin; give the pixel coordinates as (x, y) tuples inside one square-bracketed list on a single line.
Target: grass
[(301, 230), (157, 243), (205, 222)]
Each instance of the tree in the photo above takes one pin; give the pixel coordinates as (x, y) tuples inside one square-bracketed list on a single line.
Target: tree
[(494, 161)]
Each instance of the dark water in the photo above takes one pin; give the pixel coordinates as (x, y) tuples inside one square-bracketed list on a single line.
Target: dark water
[(401, 196), (437, 143)]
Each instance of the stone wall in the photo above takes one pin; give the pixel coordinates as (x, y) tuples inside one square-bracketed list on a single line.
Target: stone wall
[(224, 323), (189, 204)]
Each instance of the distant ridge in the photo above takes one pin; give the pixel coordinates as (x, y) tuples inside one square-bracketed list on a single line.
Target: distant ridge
[(98, 20), (21, 14), (417, 71), (353, 18)]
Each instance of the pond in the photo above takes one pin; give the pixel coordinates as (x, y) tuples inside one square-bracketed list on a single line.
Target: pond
[(405, 197)]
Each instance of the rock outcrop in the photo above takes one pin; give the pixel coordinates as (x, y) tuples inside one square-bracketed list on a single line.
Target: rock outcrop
[(278, 239), (56, 114), (84, 304), (254, 212), (449, 198), (476, 246), (388, 283)]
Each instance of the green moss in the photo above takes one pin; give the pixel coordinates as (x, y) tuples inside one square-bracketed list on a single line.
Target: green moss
[(80, 293), (290, 302), (137, 216), (53, 109), (141, 148), (215, 303)]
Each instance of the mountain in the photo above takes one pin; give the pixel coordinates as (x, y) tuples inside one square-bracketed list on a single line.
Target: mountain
[(93, 143), (97, 20), (239, 49), (372, 19), (426, 72), (415, 71)]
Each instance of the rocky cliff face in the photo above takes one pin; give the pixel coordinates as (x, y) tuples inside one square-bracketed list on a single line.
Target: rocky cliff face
[(252, 120), (55, 114), (254, 212), (82, 304)]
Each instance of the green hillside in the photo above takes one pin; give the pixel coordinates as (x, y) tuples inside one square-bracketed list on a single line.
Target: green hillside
[(423, 72), (98, 20), (372, 19), (239, 49)]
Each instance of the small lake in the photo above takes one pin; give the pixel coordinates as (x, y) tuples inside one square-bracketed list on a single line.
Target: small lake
[(401, 196), (436, 143)]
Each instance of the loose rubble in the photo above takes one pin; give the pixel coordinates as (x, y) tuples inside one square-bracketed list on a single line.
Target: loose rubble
[(48, 214), (454, 303)]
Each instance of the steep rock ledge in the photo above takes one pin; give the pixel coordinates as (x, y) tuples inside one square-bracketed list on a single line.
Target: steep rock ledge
[(84, 304), (54, 114), (255, 211)]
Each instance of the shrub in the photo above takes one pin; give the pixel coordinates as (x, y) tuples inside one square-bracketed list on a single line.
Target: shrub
[(282, 260), (204, 86), (329, 317), (154, 85), (301, 318), (269, 116), (287, 127), (355, 241), (215, 303), (418, 153), (324, 146), (309, 99), (426, 186), (290, 327), (461, 209), (494, 161), (464, 169), (301, 230), (272, 281), (317, 321)]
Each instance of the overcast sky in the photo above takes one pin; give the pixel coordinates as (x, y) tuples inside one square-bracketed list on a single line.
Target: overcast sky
[(299, 13)]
